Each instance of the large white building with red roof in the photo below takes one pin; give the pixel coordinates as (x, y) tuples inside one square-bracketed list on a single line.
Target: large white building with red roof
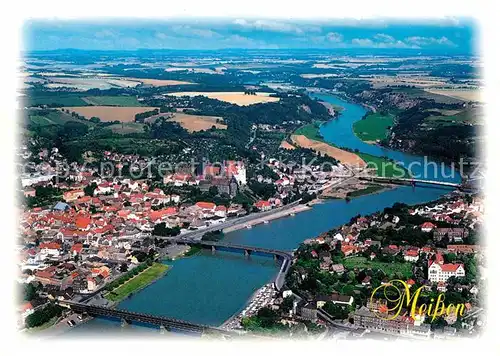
[(440, 271)]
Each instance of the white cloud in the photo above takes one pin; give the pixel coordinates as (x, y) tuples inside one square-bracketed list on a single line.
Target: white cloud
[(362, 42), (334, 37), (382, 37), (105, 34), (185, 30), (274, 26), (382, 40), (161, 35), (428, 41)]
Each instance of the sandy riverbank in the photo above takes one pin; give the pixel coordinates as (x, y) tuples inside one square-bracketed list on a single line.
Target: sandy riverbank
[(345, 157), (261, 220)]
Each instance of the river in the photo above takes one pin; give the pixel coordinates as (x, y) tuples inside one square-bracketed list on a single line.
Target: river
[(208, 289)]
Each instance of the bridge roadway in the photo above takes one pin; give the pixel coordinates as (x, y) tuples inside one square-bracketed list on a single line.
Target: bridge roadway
[(411, 180), (286, 256), (168, 323)]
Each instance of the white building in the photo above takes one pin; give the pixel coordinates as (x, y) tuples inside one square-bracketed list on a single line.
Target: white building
[(440, 271)]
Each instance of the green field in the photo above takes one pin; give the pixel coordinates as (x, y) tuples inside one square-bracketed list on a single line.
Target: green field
[(112, 101), (387, 268), (385, 167), (136, 283), (467, 116), (374, 127), (310, 131), (52, 117), (420, 93), (127, 128), (61, 99)]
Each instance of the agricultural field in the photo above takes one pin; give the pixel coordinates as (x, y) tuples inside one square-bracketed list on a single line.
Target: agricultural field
[(159, 82), (110, 113), (112, 100), (124, 128), (54, 99), (384, 167), (238, 98), (419, 82), (194, 123), (374, 127), (460, 94), (286, 145), (454, 117), (387, 268), (89, 83), (420, 93), (344, 157), (50, 117)]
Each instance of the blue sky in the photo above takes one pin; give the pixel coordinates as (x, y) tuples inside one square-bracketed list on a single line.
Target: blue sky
[(449, 35)]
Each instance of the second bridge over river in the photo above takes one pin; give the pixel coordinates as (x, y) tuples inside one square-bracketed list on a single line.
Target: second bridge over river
[(285, 256)]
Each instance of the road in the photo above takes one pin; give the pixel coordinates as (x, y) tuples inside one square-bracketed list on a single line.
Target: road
[(198, 234)]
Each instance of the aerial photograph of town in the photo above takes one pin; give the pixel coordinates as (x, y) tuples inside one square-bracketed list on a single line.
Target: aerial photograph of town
[(250, 179)]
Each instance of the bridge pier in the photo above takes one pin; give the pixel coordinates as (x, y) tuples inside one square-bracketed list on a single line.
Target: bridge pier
[(275, 257), (125, 323), (213, 250), (164, 329), (247, 253)]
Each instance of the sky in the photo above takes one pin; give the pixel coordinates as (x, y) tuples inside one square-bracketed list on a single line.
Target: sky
[(448, 35)]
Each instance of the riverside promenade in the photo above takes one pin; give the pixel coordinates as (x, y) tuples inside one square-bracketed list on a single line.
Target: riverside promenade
[(262, 219)]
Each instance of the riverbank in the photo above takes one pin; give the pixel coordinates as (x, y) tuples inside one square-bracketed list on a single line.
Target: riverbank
[(262, 297), (260, 220), (137, 283)]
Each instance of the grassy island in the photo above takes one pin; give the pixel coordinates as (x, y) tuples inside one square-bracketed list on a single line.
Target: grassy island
[(368, 190)]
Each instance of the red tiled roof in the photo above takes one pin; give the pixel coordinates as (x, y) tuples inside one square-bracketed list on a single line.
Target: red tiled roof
[(450, 267), (262, 203), (411, 253), (82, 221), (205, 205), (77, 248), (427, 225), (26, 306), (50, 245)]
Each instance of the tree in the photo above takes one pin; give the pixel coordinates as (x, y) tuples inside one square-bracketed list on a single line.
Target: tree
[(450, 257), (336, 311), (267, 317), (29, 292), (123, 267), (89, 189), (161, 229), (287, 304)]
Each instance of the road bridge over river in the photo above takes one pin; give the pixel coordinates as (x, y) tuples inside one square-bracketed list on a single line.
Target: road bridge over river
[(412, 181), (247, 250), (166, 323)]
